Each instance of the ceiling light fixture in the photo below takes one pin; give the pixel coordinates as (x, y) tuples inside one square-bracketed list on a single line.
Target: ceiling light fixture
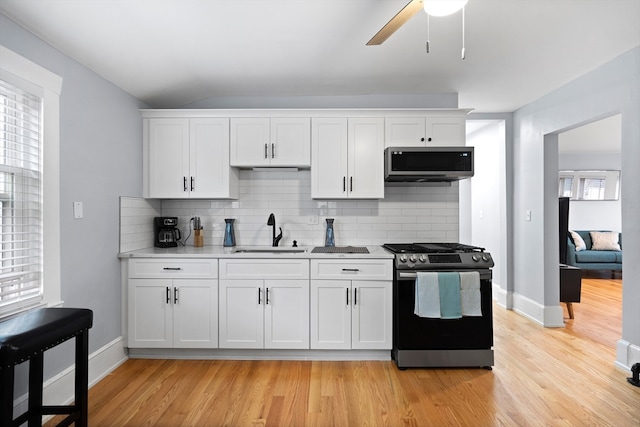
[(443, 7)]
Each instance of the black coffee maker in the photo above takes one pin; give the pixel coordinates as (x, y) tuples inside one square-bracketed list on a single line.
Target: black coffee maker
[(166, 232)]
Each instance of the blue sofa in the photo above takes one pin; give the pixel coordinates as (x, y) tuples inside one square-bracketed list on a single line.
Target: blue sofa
[(593, 260)]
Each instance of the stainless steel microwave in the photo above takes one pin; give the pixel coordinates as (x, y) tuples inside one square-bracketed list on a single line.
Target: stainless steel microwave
[(427, 164)]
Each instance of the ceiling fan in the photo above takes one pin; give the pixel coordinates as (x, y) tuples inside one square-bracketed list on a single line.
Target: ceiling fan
[(431, 7)]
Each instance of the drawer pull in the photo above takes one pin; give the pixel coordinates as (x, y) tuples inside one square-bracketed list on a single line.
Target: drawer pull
[(172, 268), (267, 297), (355, 270), (259, 295), (175, 295), (347, 296), (168, 295), (355, 296)]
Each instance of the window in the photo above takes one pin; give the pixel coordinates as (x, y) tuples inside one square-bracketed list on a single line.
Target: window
[(20, 198), (589, 185), (29, 184)]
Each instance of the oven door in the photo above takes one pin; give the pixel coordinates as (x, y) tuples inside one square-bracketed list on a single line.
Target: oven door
[(411, 332)]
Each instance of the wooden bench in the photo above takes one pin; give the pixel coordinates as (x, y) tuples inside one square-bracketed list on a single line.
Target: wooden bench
[(26, 337), (570, 286)]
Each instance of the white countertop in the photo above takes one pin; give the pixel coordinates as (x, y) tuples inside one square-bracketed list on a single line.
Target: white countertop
[(189, 251)]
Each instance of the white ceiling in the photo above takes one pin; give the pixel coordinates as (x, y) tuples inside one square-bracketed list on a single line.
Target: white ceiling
[(171, 53)]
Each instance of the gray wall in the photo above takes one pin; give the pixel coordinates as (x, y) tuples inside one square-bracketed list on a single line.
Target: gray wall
[(100, 158), (612, 88)]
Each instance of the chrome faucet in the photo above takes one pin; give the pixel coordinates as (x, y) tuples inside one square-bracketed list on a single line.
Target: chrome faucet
[(272, 222)]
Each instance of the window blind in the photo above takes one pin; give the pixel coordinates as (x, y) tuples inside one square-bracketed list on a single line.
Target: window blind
[(20, 199)]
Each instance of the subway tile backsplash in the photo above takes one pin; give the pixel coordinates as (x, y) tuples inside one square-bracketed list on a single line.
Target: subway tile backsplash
[(406, 214)]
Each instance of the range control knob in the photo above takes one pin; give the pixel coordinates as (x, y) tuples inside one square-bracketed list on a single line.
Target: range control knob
[(422, 258), (486, 258), (413, 258), (403, 258), (475, 257)]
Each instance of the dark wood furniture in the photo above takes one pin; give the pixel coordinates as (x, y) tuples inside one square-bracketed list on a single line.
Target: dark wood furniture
[(570, 285), (26, 337)]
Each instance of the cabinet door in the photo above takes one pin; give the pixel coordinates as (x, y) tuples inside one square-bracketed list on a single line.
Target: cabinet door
[(371, 315), (210, 174), (366, 158), (168, 158), (404, 132), (250, 142), (286, 314), (241, 314), (290, 142), (149, 313), (446, 131), (330, 314), (329, 158), (195, 313)]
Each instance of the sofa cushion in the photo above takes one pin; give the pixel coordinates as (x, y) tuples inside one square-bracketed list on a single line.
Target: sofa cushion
[(578, 241), (596, 256), (604, 241), (618, 257)]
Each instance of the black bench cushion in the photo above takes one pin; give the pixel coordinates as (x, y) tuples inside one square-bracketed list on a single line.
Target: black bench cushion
[(38, 330)]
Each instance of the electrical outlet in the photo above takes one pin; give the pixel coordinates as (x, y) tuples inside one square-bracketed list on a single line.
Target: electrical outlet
[(77, 210), (527, 215)]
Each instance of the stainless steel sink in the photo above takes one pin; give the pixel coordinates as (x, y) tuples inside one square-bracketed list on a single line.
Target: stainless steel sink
[(269, 250)]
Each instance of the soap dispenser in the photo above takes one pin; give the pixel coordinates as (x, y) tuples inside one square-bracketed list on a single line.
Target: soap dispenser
[(329, 239), (229, 234)]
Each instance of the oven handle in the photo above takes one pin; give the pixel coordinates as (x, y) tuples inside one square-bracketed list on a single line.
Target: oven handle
[(484, 274)]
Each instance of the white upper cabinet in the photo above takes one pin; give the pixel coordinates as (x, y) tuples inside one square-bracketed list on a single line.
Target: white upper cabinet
[(188, 158), (424, 131), (347, 158), (263, 141)]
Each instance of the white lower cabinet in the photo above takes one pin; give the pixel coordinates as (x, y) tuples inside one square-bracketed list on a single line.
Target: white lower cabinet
[(169, 308), (347, 312), (264, 303)]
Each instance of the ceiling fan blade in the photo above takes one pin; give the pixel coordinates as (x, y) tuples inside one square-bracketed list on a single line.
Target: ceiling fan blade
[(396, 22)]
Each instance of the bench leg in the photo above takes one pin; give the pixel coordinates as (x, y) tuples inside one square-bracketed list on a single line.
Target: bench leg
[(82, 378), (570, 309), (7, 376), (35, 390)]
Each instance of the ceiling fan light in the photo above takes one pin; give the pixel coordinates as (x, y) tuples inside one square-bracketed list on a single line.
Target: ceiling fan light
[(443, 7)]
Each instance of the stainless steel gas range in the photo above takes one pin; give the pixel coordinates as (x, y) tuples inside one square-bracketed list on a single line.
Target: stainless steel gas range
[(418, 341)]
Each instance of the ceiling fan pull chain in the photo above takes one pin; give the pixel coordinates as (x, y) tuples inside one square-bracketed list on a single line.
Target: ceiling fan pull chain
[(463, 52), (428, 33)]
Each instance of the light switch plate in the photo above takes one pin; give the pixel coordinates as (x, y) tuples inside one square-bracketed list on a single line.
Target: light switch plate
[(527, 215), (78, 210)]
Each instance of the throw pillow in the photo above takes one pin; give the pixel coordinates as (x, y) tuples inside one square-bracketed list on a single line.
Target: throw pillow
[(605, 241), (578, 241)]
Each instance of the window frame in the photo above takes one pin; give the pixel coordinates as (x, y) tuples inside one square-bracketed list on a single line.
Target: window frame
[(19, 70)]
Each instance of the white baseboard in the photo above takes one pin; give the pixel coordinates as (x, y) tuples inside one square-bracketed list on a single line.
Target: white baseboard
[(627, 355), (59, 390), (547, 316)]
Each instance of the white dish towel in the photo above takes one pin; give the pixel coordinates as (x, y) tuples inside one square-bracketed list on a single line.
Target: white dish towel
[(470, 293)]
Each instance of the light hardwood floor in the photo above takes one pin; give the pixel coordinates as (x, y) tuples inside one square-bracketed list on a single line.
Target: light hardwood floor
[(541, 377)]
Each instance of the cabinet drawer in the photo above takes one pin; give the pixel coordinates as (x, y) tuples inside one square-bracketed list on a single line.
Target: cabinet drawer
[(264, 269), (360, 269), (171, 267)]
